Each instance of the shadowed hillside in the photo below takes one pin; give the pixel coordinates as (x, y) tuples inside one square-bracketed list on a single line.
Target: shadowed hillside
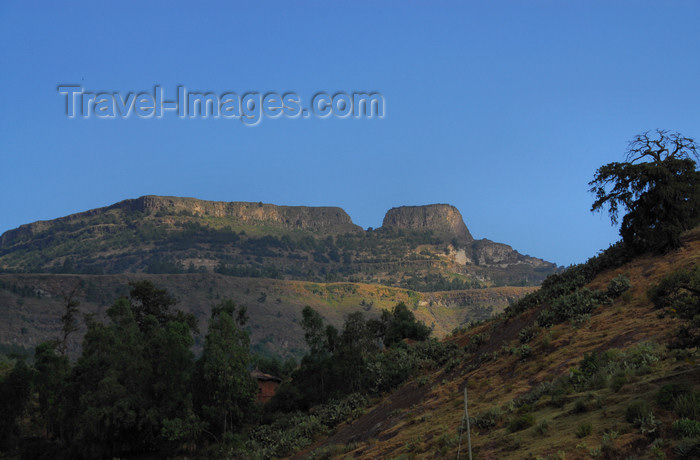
[(32, 304)]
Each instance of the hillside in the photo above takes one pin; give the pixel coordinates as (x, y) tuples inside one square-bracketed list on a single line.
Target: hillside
[(272, 259), (602, 384), (424, 248), (33, 304)]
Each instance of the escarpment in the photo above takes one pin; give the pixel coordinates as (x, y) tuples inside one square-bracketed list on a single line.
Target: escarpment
[(317, 219)]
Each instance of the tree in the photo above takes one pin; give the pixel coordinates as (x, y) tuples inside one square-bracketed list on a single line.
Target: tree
[(69, 322), (356, 342), (404, 325), (15, 395), (51, 380), (658, 186), (132, 384), (228, 392)]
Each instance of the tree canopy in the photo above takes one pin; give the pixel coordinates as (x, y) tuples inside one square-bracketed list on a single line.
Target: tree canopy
[(658, 188)]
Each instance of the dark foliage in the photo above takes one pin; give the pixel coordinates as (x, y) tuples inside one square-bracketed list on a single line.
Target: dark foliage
[(658, 186), (679, 294)]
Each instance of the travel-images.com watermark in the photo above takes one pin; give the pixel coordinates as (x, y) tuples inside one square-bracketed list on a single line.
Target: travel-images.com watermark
[(249, 107)]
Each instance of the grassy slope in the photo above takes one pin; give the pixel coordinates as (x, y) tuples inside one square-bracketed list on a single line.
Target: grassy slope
[(423, 421), (31, 313)]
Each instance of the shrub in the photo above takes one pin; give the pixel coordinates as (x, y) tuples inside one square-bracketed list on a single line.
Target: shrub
[(521, 422), (528, 333), (584, 430), (572, 306), (524, 352), (687, 405), (617, 382), (688, 448), (669, 392), (637, 410), (617, 286), (580, 407), (488, 419), (542, 428), (648, 424), (686, 428)]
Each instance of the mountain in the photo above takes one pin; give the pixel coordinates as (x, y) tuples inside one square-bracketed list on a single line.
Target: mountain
[(586, 367), (422, 248), (272, 259)]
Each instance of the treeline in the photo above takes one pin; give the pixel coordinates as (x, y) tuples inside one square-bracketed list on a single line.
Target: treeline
[(137, 387), (138, 390)]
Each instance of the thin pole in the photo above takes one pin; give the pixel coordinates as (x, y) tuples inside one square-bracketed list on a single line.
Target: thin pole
[(469, 434), (466, 416)]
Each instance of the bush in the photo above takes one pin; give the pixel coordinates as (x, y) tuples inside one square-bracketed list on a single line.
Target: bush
[(687, 405), (617, 286), (669, 392), (524, 352), (688, 448), (617, 382), (542, 428), (521, 422), (584, 430), (636, 411), (488, 419), (572, 307), (686, 428), (528, 333), (580, 407)]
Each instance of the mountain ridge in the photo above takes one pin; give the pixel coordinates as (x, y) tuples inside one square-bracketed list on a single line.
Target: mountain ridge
[(418, 247)]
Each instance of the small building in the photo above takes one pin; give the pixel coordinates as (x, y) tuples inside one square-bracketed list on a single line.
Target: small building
[(267, 385)]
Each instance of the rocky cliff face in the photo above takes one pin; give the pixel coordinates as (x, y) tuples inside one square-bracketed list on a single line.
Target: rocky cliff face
[(321, 219), (489, 253), (316, 219), (442, 219)]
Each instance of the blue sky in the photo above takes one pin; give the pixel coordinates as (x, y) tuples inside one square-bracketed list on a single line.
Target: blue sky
[(503, 109)]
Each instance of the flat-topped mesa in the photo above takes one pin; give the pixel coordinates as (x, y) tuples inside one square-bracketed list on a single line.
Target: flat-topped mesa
[(315, 219), (321, 218), (442, 219)]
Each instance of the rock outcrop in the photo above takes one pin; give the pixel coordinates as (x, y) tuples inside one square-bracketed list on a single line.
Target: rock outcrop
[(332, 220), (320, 218), (442, 219)]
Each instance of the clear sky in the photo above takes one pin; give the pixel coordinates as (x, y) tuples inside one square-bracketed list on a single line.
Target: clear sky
[(502, 109)]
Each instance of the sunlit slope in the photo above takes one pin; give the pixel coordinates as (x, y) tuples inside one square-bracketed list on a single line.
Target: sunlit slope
[(530, 396)]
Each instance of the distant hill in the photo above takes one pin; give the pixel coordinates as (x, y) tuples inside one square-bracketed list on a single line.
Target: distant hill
[(425, 248)]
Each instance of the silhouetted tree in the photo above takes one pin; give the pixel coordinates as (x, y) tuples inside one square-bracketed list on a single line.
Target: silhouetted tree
[(658, 188)]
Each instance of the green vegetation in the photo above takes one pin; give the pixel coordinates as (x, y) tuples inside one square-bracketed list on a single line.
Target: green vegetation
[(137, 389), (351, 360), (584, 430), (679, 294)]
